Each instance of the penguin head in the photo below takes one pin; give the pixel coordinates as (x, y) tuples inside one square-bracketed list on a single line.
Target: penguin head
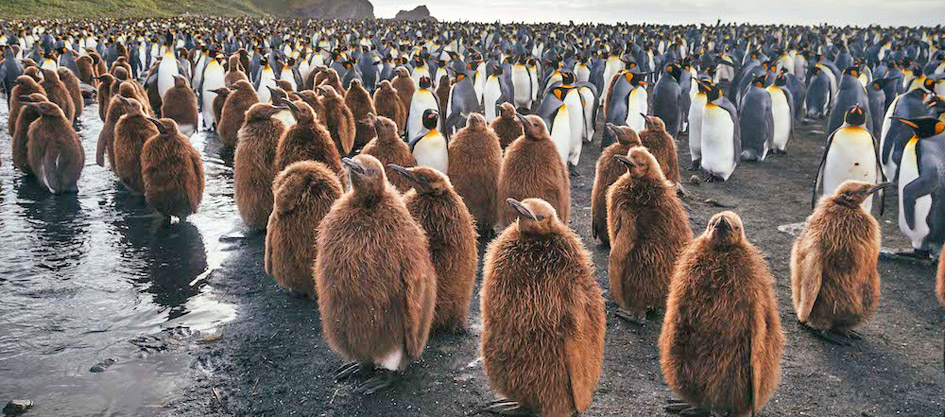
[(262, 112), (759, 81), (383, 126), (936, 105), (425, 180), (929, 85), (132, 106), (853, 193), (924, 127), (301, 111), (166, 127), (781, 80), (33, 98), (567, 78), (641, 163), (366, 176), (654, 123), (430, 119), (402, 72), (475, 122), (724, 230), (635, 79), (533, 127), (506, 111), (855, 116), (425, 83), (624, 134), (222, 91), (27, 82), (180, 81), (535, 216), (852, 70), (674, 70)]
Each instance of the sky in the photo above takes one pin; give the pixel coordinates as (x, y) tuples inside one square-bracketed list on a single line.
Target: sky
[(839, 12)]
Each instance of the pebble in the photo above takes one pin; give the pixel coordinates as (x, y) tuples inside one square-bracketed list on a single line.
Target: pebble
[(695, 180), (15, 407), (102, 366)]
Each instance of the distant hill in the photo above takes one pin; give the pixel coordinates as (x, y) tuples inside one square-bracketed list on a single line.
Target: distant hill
[(324, 9)]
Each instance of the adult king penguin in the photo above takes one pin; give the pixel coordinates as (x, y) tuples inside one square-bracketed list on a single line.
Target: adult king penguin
[(922, 186), (666, 99), (423, 99), (430, 147), (721, 136), (851, 154)]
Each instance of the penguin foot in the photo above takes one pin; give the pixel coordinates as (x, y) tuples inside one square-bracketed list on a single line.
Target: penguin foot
[(637, 317), (851, 334), (383, 380), (685, 409), (504, 407), (913, 255), (572, 170), (828, 336), (713, 178), (348, 370), (696, 165)]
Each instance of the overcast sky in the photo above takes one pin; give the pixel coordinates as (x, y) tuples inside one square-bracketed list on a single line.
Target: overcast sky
[(859, 12)]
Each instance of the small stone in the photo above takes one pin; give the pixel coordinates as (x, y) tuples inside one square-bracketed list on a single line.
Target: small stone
[(695, 180), (15, 407), (102, 366)]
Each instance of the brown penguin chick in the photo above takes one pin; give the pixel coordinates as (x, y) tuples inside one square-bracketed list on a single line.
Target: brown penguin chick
[(721, 296), (26, 116), (662, 146), (338, 119), (86, 69), (307, 140), (24, 86), (120, 65), (443, 92), (97, 62), (389, 148), (154, 96), (121, 74), (303, 195), (104, 93), (359, 102), (451, 234), (106, 137), (279, 97), (72, 86), (543, 318), (312, 99), (532, 168), (387, 103), (834, 280), (405, 87), (234, 110), (57, 93), (647, 226), (475, 163), (287, 88), (235, 72), (253, 169), (172, 171), (33, 72), (373, 258), (310, 80), (221, 94), (507, 126), (180, 105), (607, 171), (131, 132), (54, 151), (331, 79)]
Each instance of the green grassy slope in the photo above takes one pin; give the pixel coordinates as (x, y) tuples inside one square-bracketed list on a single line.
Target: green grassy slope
[(17, 9)]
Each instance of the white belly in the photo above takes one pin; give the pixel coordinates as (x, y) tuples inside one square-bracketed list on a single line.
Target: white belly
[(695, 125), (212, 80), (909, 172), (491, 94), (636, 106), (850, 157), (576, 123), (561, 133), (782, 118), (166, 72), (522, 86), (289, 76), (432, 152), (422, 100), (718, 148), (266, 80), (588, 105)]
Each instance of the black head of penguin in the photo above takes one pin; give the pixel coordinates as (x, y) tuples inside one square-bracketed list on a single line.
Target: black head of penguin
[(880, 84), (781, 80), (759, 81), (924, 127), (567, 78), (635, 79), (430, 118), (929, 84), (674, 70), (425, 83), (855, 116), (937, 105), (852, 70), (712, 92)]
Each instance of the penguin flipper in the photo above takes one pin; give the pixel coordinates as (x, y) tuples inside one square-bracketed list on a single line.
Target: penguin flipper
[(584, 349), (922, 186), (413, 142), (195, 188), (818, 179)]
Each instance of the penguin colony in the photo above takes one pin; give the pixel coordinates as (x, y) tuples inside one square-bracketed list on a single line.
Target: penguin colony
[(407, 151)]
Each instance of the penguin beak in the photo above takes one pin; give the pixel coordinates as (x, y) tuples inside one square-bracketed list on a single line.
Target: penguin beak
[(723, 225), (626, 161), (521, 118), (521, 209), (353, 166), (406, 173), (157, 123), (907, 122), (373, 120), (612, 128), (879, 186), (292, 108)]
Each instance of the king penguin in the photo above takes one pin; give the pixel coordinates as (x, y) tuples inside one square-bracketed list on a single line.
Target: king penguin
[(851, 154), (556, 115), (430, 147), (167, 69), (265, 81), (922, 186), (696, 109), (212, 80), (721, 136), (521, 84), (423, 99), (782, 111)]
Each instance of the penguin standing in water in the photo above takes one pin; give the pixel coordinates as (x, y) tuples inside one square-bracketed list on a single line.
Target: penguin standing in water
[(756, 122), (666, 94), (253, 164), (392, 273), (180, 104), (543, 317), (212, 80), (851, 154), (234, 112), (922, 186), (167, 69), (54, 151), (607, 171), (532, 168), (721, 294), (782, 113), (172, 172), (423, 99), (834, 281), (430, 147), (721, 136), (131, 132)]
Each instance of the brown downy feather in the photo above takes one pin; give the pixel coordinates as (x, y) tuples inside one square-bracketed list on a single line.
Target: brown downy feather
[(172, 172), (72, 86), (662, 146), (647, 226), (359, 102), (506, 126), (940, 281), (54, 151), (307, 140), (131, 132), (180, 105), (24, 86), (106, 83), (607, 171), (405, 88), (234, 112), (543, 319), (373, 257), (532, 168), (86, 69), (443, 92), (451, 234), (338, 119), (235, 72), (389, 148), (106, 138), (388, 104), (721, 343), (315, 102), (253, 164), (834, 280), (303, 194), (57, 93), (20, 143), (219, 100), (475, 164)]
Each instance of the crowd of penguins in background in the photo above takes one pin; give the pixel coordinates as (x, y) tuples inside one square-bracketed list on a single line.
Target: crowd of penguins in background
[(375, 154)]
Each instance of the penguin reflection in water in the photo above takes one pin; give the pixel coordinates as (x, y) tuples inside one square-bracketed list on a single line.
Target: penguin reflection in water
[(543, 319)]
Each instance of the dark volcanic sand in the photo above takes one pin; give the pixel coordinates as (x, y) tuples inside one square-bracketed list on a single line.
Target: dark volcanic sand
[(272, 360)]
